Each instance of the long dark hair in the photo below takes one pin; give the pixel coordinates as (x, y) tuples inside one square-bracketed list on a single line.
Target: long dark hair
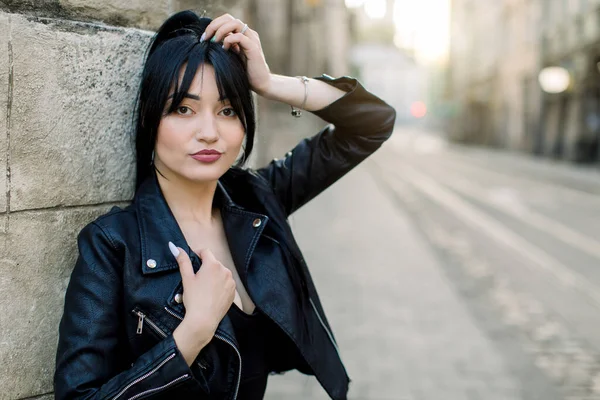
[(177, 44)]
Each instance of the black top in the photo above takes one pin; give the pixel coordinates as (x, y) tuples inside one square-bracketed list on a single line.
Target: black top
[(252, 331)]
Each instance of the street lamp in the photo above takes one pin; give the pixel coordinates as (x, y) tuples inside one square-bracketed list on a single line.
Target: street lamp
[(554, 79)]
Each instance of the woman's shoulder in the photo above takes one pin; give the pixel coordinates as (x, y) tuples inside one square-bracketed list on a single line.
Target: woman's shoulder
[(116, 225)]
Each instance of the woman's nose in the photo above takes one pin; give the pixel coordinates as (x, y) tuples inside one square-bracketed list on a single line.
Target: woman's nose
[(206, 130)]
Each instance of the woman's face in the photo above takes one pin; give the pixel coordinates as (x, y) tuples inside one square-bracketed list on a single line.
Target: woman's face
[(202, 138)]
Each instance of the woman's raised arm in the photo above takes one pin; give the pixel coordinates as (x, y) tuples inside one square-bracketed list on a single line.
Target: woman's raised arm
[(359, 124)]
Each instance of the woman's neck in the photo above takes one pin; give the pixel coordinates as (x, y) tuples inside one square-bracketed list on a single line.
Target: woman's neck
[(189, 201)]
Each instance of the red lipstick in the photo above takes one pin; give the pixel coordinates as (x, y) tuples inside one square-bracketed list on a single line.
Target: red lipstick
[(207, 156)]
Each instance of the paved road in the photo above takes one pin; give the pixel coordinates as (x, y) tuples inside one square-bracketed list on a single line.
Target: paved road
[(520, 240), (442, 274)]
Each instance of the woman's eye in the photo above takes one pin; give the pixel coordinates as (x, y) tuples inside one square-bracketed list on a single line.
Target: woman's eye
[(183, 110), (229, 112)]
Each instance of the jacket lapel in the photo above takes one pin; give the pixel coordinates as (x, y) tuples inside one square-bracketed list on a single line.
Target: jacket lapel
[(157, 227), (242, 229)]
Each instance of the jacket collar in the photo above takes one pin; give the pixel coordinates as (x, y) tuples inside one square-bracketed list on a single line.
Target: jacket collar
[(158, 226)]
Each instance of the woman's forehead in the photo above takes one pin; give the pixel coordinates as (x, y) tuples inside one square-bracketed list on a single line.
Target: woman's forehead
[(204, 85)]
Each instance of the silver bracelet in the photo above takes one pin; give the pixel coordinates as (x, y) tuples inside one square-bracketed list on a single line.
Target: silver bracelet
[(296, 112)]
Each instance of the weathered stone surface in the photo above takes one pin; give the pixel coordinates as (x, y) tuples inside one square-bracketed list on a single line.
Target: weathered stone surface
[(139, 13), (71, 119), (35, 267), (44, 397), (4, 93), (3, 218)]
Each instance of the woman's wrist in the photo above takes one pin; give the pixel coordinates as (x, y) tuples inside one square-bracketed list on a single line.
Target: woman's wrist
[(292, 90), (191, 337), (265, 89)]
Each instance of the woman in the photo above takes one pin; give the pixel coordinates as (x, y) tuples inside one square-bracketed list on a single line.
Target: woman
[(142, 319)]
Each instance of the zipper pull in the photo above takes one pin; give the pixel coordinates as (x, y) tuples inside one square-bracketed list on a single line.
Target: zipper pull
[(140, 322)]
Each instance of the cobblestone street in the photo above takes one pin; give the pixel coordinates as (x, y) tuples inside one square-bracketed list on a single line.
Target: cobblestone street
[(416, 313)]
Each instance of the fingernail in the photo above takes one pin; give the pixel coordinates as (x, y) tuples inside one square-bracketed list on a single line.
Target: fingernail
[(203, 37), (213, 39), (174, 250)]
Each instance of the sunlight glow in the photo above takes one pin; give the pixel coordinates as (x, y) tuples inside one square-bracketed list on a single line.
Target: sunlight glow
[(375, 9), (424, 27)]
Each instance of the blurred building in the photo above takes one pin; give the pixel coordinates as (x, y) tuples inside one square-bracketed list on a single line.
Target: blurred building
[(393, 75), (570, 38), (383, 67), (302, 37), (498, 48)]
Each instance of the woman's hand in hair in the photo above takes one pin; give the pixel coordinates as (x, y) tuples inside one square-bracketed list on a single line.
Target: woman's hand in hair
[(227, 29), (207, 296)]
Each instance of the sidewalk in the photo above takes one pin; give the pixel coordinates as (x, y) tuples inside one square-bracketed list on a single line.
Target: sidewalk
[(402, 330)]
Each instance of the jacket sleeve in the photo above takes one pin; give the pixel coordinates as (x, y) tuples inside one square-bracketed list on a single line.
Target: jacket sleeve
[(359, 122), (92, 346)]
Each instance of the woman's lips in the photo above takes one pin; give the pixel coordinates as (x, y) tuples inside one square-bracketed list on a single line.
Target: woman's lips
[(206, 157)]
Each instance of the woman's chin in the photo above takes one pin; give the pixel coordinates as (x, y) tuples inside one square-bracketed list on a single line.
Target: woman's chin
[(206, 174)]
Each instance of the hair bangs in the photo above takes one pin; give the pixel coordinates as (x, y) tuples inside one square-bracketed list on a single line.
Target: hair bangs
[(196, 58), (230, 89)]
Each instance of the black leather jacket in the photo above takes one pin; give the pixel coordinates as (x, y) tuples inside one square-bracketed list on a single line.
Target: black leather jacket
[(115, 336)]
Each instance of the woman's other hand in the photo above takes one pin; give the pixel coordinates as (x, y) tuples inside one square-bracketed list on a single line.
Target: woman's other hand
[(237, 36), (207, 296)]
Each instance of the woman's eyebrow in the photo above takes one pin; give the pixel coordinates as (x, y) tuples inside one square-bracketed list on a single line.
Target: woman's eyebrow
[(188, 95), (196, 97)]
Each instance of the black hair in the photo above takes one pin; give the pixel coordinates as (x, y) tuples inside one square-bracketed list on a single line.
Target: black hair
[(177, 44)]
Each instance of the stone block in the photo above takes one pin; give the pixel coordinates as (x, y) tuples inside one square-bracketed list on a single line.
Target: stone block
[(44, 397), (140, 13), (4, 93), (36, 260), (72, 112), (133, 13)]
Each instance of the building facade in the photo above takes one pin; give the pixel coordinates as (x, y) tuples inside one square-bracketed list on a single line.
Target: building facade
[(498, 49)]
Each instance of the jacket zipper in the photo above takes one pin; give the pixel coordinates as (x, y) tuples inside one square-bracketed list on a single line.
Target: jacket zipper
[(143, 318), (174, 381), (239, 378), (141, 378)]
